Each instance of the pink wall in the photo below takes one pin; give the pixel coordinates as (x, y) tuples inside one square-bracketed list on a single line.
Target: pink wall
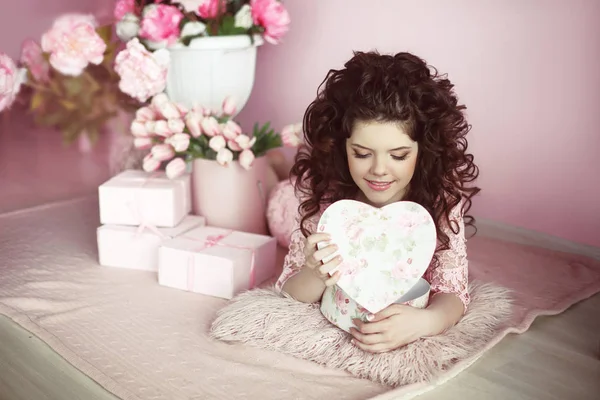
[(30, 18), (529, 72)]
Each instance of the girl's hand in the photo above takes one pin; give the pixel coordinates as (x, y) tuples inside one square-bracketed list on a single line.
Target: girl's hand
[(391, 328), (316, 259)]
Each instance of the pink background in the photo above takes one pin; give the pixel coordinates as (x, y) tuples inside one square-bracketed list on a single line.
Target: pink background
[(528, 71)]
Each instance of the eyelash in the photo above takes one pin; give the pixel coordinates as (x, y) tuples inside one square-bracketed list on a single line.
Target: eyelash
[(397, 158)]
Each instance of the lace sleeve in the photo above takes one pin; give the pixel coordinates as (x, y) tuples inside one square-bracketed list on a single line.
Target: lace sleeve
[(294, 260), (450, 275)]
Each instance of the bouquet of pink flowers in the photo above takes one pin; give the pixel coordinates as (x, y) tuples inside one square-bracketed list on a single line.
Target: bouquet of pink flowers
[(69, 76), (175, 135), (163, 23)]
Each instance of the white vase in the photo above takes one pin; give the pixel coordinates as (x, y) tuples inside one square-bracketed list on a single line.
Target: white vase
[(212, 68)]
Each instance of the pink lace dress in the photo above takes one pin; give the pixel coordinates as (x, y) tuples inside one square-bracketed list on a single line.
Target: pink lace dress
[(449, 275)]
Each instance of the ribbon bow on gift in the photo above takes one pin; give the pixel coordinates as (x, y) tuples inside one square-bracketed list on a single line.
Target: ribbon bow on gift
[(135, 209), (215, 240)]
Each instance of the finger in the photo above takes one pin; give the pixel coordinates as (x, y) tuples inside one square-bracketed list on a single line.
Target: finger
[(374, 338), (325, 252), (315, 238), (372, 348), (330, 265), (371, 327), (334, 279), (388, 312)]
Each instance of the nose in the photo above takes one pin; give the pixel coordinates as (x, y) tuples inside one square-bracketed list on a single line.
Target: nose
[(378, 166)]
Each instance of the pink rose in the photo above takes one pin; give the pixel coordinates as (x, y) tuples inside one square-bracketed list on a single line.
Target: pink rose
[(33, 58), (10, 81), (211, 9), (272, 16), (143, 74), (73, 43), (246, 159), (123, 7), (160, 22)]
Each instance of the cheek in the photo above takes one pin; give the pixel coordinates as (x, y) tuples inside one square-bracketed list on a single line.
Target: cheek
[(357, 166)]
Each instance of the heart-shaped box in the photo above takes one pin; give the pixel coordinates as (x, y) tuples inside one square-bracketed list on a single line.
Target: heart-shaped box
[(340, 309), (385, 250)]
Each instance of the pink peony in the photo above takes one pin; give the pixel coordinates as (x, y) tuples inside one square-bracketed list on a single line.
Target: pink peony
[(10, 81), (73, 43), (143, 74), (272, 16), (33, 58), (160, 22), (123, 7), (211, 9)]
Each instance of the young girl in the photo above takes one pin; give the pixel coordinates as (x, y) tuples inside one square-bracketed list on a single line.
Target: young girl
[(385, 129)]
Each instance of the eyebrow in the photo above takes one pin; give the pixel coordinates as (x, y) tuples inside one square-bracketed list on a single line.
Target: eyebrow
[(366, 148)]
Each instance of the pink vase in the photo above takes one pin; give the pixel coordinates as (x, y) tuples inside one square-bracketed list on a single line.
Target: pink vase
[(231, 197)]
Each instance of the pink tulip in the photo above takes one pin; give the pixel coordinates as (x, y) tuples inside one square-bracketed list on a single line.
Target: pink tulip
[(162, 152), (217, 143), (176, 125), (224, 156), (179, 141), (150, 127), (182, 109), (210, 126), (272, 16), (245, 142), (231, 130), (168, 110), (246, 159), (232, 144), (160, 22), (192, 121), (175, 168), (159, 100), (150, 164), (162, 129), (142, 142), (291, 135), (145, 114), (138, 129), (211, 9), (229, 106)]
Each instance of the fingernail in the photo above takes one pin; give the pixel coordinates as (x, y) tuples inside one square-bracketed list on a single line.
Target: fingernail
[(353, 342), (370, 317)]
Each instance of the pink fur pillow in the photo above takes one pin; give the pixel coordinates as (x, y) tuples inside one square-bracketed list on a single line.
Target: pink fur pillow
[(281, 212), (265, 319)]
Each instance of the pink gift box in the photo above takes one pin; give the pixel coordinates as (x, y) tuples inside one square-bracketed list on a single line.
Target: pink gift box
[(131, 247), (136, 197), (216, 262)]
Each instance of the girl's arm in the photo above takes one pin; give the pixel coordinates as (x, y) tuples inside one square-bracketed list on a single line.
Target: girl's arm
[(449, 279)]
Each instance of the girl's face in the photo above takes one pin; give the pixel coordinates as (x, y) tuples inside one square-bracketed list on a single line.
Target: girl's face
[(381, 160)]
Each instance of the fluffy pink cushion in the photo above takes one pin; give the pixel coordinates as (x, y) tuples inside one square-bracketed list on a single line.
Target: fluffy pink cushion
[(263, 318), (282, 210)]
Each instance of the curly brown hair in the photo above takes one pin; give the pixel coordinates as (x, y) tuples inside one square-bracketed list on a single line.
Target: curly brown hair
[(402, 89)]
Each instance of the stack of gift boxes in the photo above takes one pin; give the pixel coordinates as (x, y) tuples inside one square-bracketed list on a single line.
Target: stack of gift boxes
[(147, 225)]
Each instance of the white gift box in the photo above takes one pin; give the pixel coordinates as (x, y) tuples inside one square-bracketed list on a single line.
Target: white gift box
[(216, 262), (136, 197), (137, 248)]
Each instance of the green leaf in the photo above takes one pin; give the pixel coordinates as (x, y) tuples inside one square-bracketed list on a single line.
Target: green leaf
[(228, 27)]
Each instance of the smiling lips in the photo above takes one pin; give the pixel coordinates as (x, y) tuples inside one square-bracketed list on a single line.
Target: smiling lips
[(379, 186)]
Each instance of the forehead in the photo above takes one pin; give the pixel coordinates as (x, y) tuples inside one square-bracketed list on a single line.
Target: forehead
[(380, 135)]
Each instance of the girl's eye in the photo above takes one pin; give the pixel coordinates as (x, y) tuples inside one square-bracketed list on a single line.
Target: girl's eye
[(400, 158), (358, 155)]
